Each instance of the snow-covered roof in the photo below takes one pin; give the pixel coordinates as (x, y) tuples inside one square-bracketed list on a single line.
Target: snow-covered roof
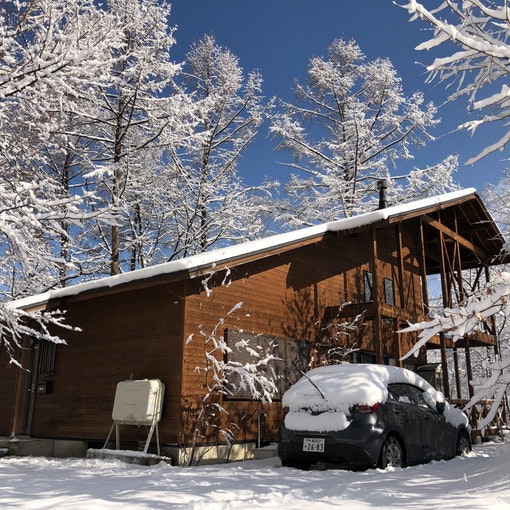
[(211, 258)]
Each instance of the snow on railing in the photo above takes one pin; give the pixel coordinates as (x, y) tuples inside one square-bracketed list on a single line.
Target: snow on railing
[(480, 410)]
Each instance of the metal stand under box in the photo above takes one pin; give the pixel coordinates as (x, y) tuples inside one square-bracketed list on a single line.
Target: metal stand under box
[(137, 402)]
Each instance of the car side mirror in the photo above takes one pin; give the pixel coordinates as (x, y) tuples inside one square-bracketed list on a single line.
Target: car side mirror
[(440, 406)]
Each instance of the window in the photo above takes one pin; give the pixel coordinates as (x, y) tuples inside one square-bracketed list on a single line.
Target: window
[(398, 393), (364, 357), (47, 351), (368, 286), (407, 394), (417, 396), (293, 358), (389, 292)]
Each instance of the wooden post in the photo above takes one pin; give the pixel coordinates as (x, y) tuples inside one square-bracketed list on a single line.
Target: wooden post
[(423, 269), (446, 302), (376, 297), (462, 296), (457, 372), (401, 287)]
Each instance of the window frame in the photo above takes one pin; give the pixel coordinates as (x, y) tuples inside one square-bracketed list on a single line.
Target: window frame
[(368, 286), (47, 355), (289, 367), (389, 291)]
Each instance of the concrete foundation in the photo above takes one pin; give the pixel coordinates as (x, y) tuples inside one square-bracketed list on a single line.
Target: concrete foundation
[(214, 454), (219, 454), (266, 452), (131, 457), (25, 446)]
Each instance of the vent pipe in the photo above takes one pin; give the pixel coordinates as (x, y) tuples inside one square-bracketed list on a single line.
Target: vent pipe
[(382, 186)]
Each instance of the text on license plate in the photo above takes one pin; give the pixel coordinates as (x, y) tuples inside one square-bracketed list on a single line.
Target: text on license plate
[(313, 444)]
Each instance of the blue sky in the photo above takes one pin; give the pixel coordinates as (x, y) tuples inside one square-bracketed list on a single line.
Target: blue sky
[(279, 36)]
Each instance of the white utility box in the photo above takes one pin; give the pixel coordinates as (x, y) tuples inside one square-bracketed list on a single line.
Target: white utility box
[(138, 402)]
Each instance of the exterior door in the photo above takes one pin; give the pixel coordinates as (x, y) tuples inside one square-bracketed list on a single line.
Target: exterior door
[(26, 388)]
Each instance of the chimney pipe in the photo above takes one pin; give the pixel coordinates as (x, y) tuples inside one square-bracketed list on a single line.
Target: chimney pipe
[(382, 185)]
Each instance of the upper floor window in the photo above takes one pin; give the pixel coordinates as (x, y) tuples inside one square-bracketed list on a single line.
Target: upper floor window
[(389, 292), (368, 286)]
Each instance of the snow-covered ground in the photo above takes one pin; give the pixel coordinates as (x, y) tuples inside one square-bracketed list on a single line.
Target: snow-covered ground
[(480, 481)]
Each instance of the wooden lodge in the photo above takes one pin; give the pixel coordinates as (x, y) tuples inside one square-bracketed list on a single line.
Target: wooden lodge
[(337, 291)]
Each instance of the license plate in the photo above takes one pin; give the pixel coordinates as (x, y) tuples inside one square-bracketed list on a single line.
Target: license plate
[(313, 444)]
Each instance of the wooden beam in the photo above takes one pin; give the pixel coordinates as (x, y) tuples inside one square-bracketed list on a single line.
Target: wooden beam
[(482, 255), (423, 272), (447, 302), (376, 297)]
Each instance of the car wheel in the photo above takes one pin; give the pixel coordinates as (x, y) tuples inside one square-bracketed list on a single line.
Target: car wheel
[(392, 453), (463, 444)]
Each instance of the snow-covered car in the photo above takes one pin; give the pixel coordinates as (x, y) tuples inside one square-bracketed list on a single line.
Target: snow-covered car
[(360, 416)]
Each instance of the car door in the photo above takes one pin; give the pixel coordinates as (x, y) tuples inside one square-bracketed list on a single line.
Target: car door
[(417, 421), (407, 418), (430, 425)]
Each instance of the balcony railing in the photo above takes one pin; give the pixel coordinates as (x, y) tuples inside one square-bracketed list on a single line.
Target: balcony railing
[(480, 410)]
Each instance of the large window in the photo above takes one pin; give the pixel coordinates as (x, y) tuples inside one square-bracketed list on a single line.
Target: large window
[(293, 357)]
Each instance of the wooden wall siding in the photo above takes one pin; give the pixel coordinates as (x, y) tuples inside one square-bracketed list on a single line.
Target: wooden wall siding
[(400, 264), (141, 332), (131, 334), (8, 375), (286, 295)]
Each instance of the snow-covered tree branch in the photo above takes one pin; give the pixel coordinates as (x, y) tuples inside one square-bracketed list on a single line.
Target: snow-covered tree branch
[(472, 316), (349, 125), (494, 388), (477, 64)]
